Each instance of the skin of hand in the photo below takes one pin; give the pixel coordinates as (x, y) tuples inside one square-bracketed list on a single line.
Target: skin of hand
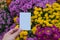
[(12, 34)]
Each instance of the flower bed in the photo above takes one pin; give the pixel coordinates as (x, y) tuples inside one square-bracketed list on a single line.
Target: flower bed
[(45, 18)]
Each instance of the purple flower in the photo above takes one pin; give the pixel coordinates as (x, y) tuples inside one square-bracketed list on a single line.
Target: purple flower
[(17, 20), (51, 1), (5, 23), (35, 38), (1, 35), (41, 4), (12, 26), (30, 38), (24, 8), (8, 21), (17, 6)]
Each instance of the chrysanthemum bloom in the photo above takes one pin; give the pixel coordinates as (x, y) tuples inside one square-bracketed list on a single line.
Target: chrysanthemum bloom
[(17, 6), (48, 33), (30, 39), (48, 16), (16, 19)]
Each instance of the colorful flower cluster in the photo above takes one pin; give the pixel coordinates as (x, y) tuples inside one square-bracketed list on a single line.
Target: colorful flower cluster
[(39, 13), (45, 18), (48, 16), (6, 23), (17, 6)]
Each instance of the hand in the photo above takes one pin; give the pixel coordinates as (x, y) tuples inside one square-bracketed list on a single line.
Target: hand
[(12, 34)]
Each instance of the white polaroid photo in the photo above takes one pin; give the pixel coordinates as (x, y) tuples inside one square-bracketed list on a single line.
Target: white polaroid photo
[(25, 20)]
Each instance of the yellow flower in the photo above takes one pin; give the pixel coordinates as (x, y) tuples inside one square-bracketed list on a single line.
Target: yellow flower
[(58, 25), (35, 12), (44, 21), (54, 13), (37, 9), (41, 21), (18, 38), (39, 18), (46, 9), (40, 12), (15, 19), (49, 24), (39, 15), (52, 22), (46, 15), (21, 36), (35, 20), (25, 37), (57, 17), (48, 5), (25, 33), (55, 5), (57, 14), (50, 9), (51, 16), (50, 12), (33, 17), (17, 26), (34, 29), (21, 33)]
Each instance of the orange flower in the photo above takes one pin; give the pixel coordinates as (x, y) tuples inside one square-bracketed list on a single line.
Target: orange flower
[(8, 2)]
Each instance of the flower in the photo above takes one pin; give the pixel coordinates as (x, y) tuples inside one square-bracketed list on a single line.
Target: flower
[(46, 16), (17, 6), (30, 39), (34, 30), (5, 23), (17, 26), (17, 38), (48, 33), (16, 20), (23, 33)]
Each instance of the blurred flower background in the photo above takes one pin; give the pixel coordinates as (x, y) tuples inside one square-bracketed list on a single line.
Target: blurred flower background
[(45, 18)]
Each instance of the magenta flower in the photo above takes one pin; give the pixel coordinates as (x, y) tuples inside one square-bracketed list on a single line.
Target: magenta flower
[(48, 33)]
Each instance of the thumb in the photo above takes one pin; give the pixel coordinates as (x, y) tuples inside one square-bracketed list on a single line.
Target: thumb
[(12, 31), (16, 33)]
